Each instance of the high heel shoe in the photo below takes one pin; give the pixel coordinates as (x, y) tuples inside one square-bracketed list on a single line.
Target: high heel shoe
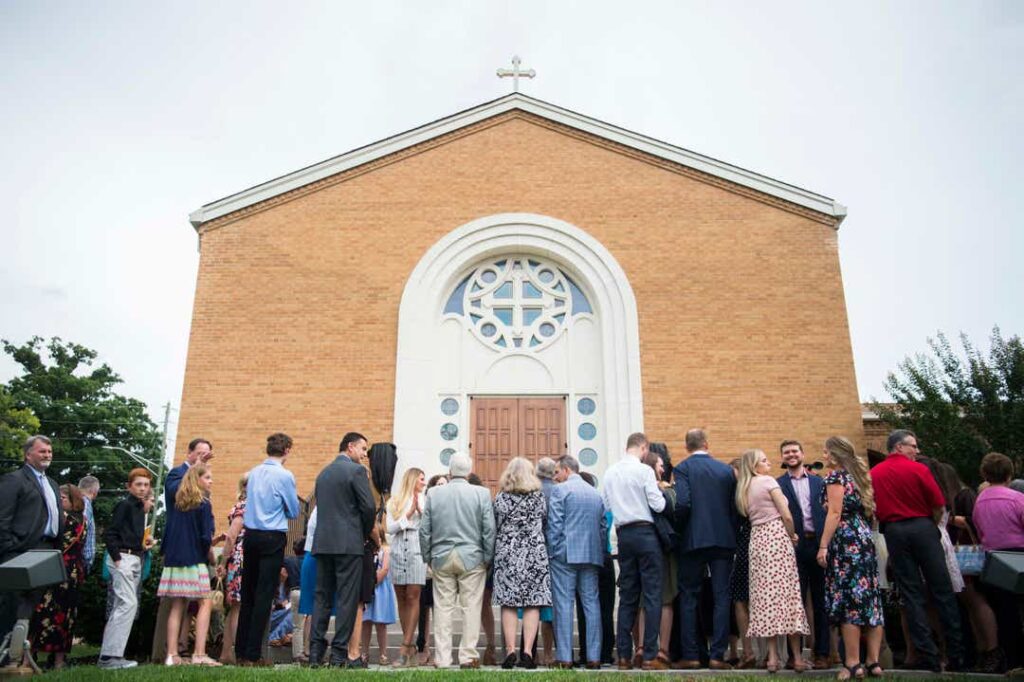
[(772, 667), (172, 660)]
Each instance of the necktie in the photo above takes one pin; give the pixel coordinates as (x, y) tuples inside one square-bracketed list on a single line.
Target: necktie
[(51, 507)]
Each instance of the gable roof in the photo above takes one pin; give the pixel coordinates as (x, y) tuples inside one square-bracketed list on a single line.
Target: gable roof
[(518, 101)]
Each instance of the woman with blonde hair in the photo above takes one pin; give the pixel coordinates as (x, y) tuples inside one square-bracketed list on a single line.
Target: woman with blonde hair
[(847, 553), (187, 554), (776, 606), (232, 569), (408, 572), (521, 578)]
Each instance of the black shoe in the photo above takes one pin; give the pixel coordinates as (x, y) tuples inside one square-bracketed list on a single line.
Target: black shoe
[(954, 665), (355, 664), (509, 662), (526, 661)]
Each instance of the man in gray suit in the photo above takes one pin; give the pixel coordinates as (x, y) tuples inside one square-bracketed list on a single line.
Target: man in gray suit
[(576, 530), (344, 519), (457, 542)]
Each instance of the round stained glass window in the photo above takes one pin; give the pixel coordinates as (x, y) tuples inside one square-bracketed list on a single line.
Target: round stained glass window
[(488, 330), (488, 276), (546, 276), (547, 329), (588, 457), (446, 456), (449, 406), (587, 431), (449, 431), (586, 406)]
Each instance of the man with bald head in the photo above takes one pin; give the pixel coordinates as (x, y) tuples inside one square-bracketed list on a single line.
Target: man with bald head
[(457, 542)]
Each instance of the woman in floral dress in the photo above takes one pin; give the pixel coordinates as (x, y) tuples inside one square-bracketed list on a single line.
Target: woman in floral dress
[(53, 623), (233, 570), (847, 553), (521, 578)]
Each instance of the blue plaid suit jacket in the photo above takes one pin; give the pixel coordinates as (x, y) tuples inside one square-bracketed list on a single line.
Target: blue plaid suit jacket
[(576, 523)]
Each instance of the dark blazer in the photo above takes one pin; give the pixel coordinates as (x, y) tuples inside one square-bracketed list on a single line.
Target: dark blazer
[(23, 513), (706, 513), (344, 507), (817, 510)]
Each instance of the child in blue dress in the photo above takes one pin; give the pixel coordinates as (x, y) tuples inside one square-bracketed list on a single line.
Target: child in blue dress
[(383, 610)]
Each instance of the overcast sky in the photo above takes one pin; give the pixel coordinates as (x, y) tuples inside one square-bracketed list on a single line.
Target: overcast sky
[(119, 118)]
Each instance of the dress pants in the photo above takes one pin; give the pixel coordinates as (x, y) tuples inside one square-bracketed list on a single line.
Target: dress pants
[(339, 579), (262, 558), (812, 577), (692, 566), (568, 581), (640, 568), (124, 581), (915, 550), (457, 587)]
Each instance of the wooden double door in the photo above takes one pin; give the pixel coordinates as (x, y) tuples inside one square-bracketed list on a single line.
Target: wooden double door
[(503, 428)]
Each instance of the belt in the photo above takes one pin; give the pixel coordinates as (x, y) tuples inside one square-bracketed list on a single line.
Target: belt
[(133, 552), (635, 524), (810, 535)]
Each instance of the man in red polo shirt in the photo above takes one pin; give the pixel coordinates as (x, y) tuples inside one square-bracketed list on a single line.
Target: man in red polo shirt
[(908, 505)]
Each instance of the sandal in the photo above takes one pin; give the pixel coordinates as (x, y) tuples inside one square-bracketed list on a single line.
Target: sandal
[(772, 667), (875, 669), (173, 659), (205, 660), (748, 663), (851, 672), (802, 666), (663, 657), (384, 660)]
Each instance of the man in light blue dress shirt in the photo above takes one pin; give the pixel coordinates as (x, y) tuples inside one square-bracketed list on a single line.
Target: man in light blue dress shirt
[(630, 493), (271, 500)]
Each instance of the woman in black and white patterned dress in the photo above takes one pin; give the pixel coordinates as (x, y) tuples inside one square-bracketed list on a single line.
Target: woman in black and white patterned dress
[(408, 572), (521, 577)]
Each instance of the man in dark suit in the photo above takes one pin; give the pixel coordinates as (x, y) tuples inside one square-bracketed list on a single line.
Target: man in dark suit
[(706, 517), (344, 508), (30, 518), (803, 491)]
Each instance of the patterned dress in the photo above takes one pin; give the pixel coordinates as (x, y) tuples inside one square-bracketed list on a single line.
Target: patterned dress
[(234, 564), (852, 594), (520, 557), (739, 581), (53, 623)]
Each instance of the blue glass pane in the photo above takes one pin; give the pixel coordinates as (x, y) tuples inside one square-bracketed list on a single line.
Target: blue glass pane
[(446, 456), (530, 291), (560, 318), (580, 304), (586, 406), (518, 342), (587, 431), (474, 318), (488, 330), (504, 291), (476, 287), (454, 304), (534, 341), (588, 457), (449, 406), (501, 263), (489, 276), (559, 303), (504, 314), (529, 315), (450, 431), (475, 303), (546, 276), (533, 263), (559, 287), (547, 329), (501, 342)]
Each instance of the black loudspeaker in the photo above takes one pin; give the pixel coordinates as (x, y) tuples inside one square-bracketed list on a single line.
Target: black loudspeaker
[(1005, 570), (31, 570)]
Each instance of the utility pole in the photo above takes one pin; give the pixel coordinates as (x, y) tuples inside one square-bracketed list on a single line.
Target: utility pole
[(159, 487)]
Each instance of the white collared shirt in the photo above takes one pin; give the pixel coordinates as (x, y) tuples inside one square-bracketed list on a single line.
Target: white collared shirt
[(630, 491)]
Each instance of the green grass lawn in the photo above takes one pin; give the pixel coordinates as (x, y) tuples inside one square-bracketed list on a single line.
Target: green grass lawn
[(295, 674)]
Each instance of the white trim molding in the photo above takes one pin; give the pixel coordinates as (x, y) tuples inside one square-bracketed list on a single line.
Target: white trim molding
[(425, 375), (518, 101)]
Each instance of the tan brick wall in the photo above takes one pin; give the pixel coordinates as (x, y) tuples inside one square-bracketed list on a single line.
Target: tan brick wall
[(743, 324)]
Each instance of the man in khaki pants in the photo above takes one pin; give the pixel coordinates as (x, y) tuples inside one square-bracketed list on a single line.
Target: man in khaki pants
[(457, 542)]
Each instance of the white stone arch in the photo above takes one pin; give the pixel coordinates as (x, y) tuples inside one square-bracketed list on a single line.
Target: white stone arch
[(419, 389)]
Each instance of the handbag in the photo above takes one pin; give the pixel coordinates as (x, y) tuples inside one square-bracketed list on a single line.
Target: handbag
[(970, 558), (217, 596), (667, 536)]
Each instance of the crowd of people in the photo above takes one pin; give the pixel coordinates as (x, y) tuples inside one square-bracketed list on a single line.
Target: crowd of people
[(700, 564)]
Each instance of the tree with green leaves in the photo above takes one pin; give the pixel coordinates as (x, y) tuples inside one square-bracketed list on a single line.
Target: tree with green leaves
[(16, 425), (74, 402), (961, 405)]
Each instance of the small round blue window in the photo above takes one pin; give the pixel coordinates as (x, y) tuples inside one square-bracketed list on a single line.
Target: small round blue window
[(586, 406), (449, 431), (446, 456), (587, 431), (449, 406), (588, 457)]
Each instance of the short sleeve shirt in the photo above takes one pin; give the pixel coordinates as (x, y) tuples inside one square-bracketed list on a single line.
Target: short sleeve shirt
[(760, 505)]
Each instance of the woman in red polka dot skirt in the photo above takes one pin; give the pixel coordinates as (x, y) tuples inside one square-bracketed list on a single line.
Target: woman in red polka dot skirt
[(775, 604)]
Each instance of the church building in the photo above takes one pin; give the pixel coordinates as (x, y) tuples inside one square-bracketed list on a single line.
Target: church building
[(516, 279)]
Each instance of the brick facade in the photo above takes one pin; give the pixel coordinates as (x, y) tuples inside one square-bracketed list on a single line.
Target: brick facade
[(743, 325)]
